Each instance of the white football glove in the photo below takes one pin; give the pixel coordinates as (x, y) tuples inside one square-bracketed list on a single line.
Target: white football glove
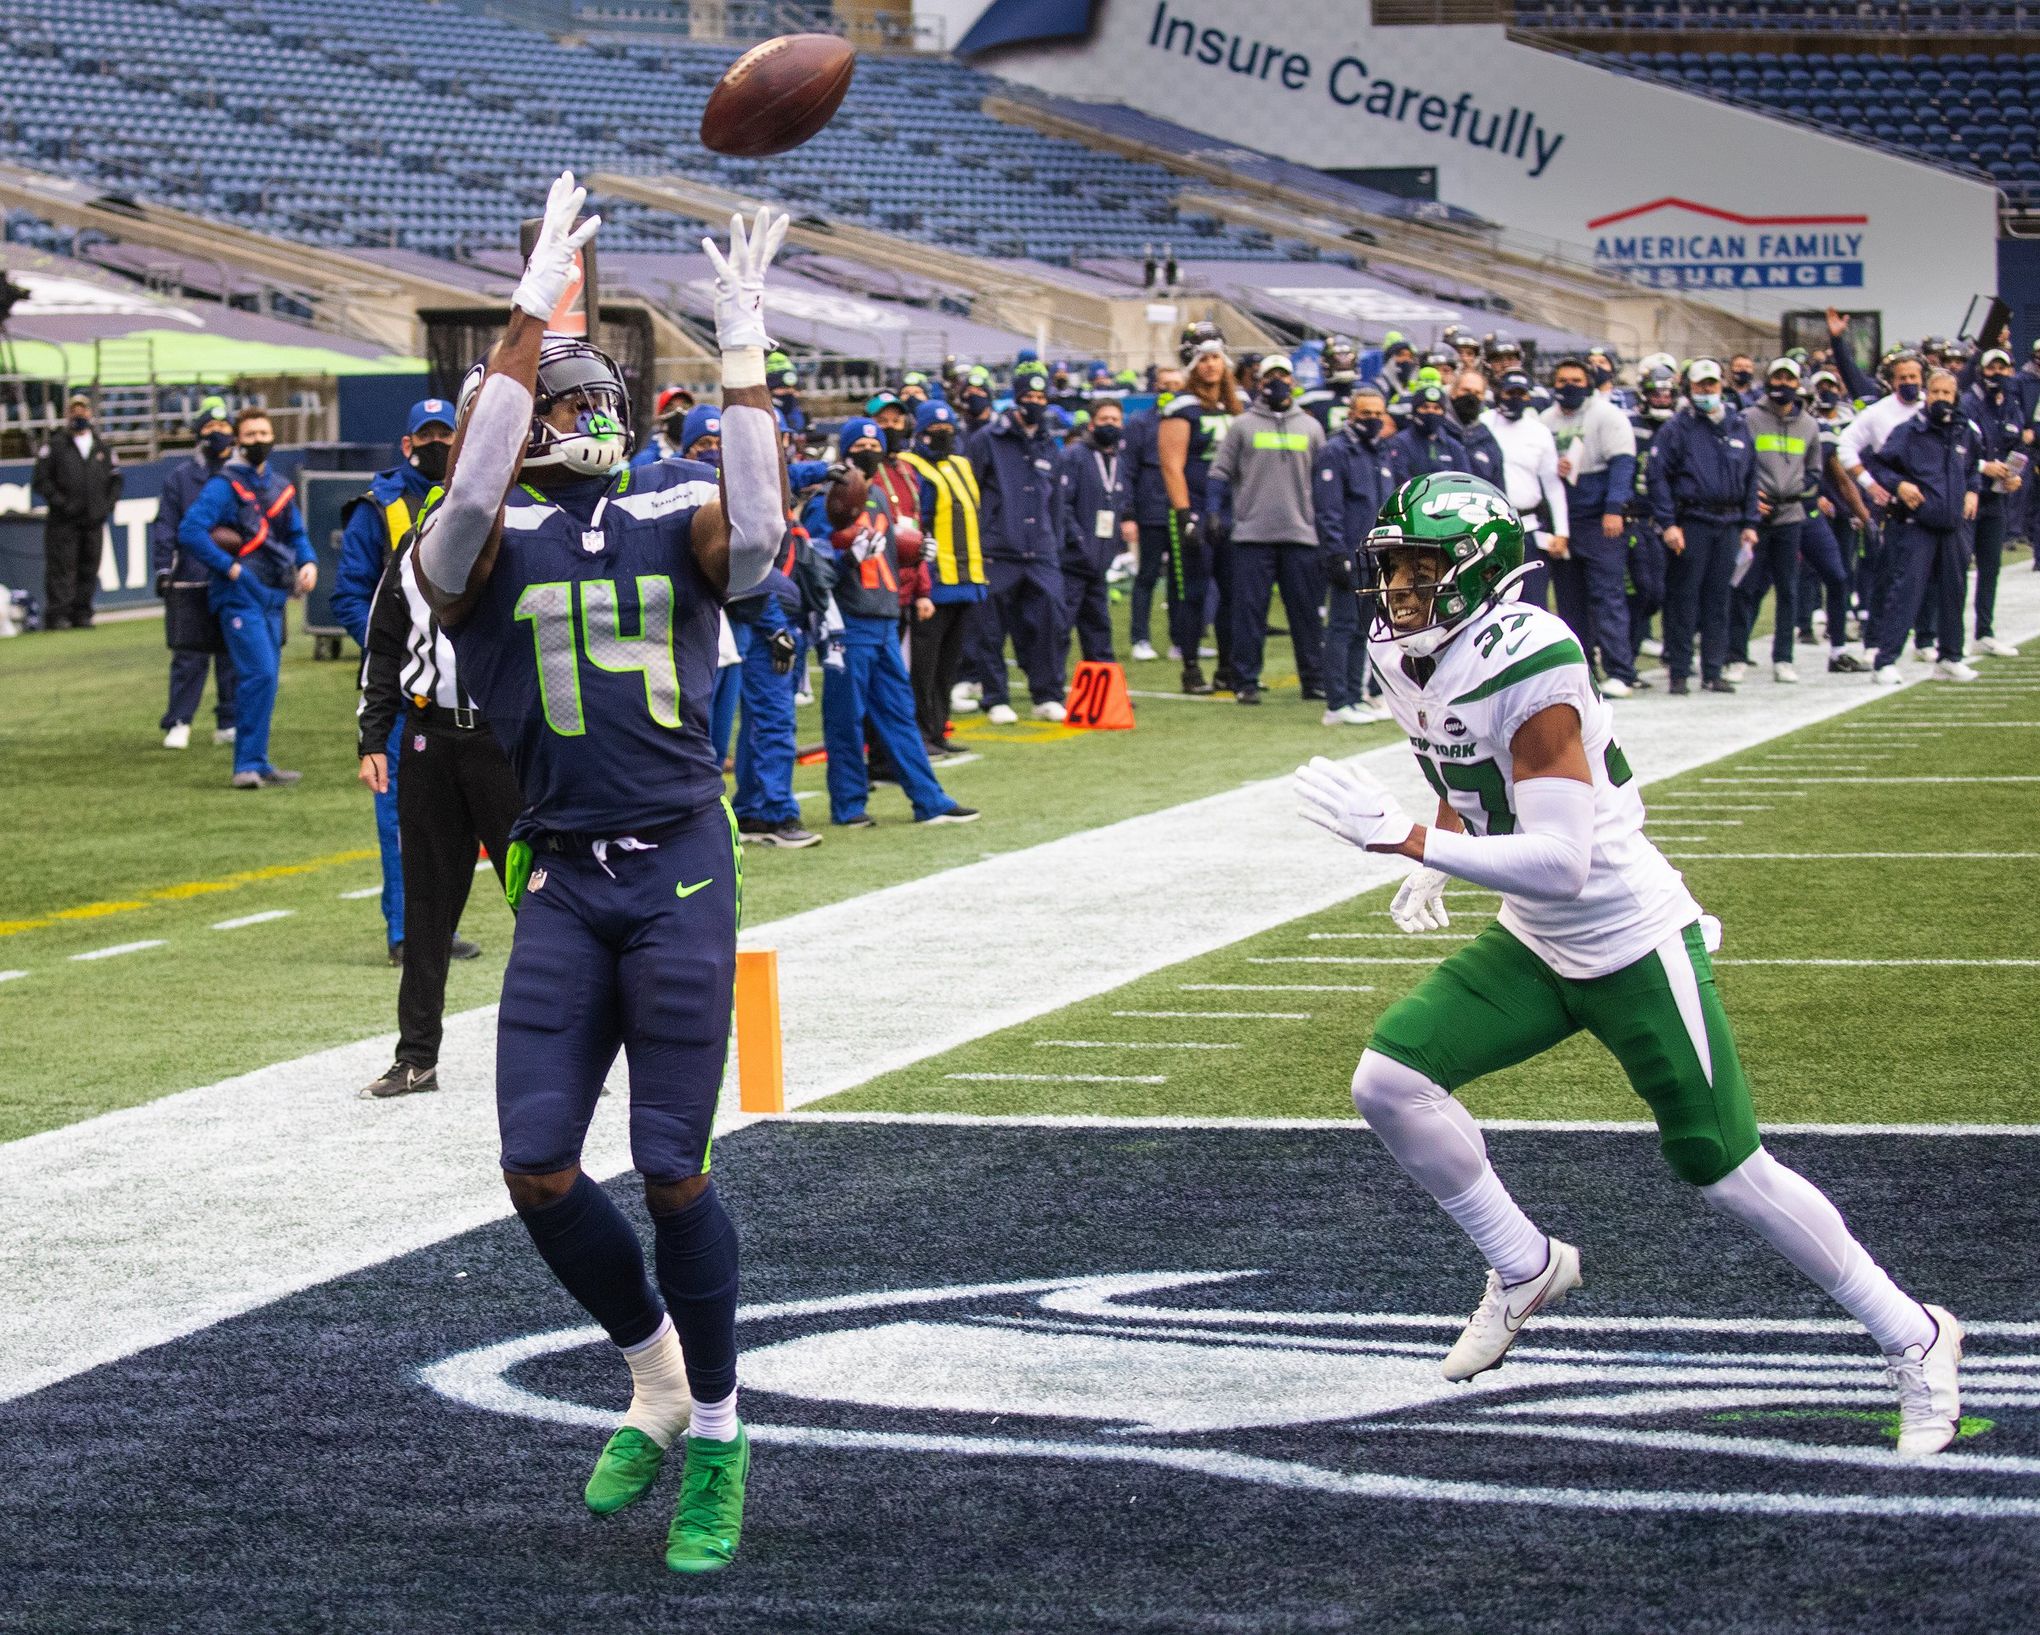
[(550, 272), (1420, 904), (740, 279), (1351, 804)]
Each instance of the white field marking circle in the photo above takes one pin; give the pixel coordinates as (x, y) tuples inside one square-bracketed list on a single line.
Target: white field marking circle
[(1091, 1361)]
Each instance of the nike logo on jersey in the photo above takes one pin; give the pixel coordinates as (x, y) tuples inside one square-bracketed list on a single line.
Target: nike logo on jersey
[(683, 890)]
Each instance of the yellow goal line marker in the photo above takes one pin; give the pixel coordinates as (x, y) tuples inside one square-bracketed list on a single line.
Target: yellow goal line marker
[(183, 891)]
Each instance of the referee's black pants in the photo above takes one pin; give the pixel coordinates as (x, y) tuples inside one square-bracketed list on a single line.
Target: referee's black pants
[(457, 791)]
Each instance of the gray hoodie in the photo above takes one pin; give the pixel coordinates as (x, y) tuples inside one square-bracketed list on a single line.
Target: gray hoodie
[(1789, 458), (1266, 460)]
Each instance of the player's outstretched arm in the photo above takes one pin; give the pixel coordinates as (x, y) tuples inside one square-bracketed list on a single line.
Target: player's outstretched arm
[(736, 538), (458, 539)]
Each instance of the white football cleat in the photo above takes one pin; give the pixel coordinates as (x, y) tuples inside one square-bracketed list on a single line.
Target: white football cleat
[(1051, 710), (1953, 670), (1785, 674), (1651, 648), (1929, 1389), (1735, 672), (223, 735), (1996, 649), (178, 737), (1886, 675), (1505, 1307), (1001, 715), (1616, 687), (966, 692), (1143, 651)]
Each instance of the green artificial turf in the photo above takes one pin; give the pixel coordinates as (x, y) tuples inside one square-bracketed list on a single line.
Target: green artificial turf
[(115, 840), (1901, 1044)]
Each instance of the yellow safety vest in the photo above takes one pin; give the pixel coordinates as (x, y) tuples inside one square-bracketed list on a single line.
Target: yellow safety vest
[(397, 521), (956, 496)]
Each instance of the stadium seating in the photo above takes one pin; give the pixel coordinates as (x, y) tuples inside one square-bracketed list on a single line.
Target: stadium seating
[(1971, 111), (1781, 16), (384, 123)]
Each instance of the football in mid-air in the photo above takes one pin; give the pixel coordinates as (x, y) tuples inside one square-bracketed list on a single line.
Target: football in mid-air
[(777, 95)]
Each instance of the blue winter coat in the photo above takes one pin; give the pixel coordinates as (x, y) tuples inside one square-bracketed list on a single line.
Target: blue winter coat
[(1704, 471), (1351, 481), (1143, 462), (1085, 494), (365, 544), (261, 504), (1020, 510), (180, 488), (1941, 460)]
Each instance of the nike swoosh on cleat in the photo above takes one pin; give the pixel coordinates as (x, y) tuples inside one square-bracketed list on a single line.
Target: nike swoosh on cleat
[(681, 889)]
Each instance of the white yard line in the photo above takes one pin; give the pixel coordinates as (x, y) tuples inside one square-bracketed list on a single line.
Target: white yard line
[(1156, 1016), (1132, 1044), (1816, 777), (1390, 936), (264, 918), (119, 948), (1058, 1078), (1678, 819), (287, 1160), (12, 976), (1829, 857), (1273, 987), (356, 896), (1535, 1126)]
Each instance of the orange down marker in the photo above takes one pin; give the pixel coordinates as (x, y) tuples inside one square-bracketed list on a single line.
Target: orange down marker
[(761, 1064), (1098, 697)]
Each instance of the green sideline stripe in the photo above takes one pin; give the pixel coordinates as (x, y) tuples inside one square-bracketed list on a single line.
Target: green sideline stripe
[(1545, 658)]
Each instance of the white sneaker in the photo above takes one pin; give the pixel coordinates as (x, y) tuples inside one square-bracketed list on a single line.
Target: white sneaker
[(1953, 670), (802, 699), (223, 735), (1785, 674), (1735, 672), (1929, 1389), (1885, 675), (1818, 619), (1996, 649), (1505, 1307), (1207, 652), (966, 692), (1651, 647), (1001, 715), (1616, 687), (1143, 651), (1051, 711), (1175, 653), (178, 737)]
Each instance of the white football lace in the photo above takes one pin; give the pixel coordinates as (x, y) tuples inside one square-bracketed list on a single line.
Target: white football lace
[(1908, 1377)]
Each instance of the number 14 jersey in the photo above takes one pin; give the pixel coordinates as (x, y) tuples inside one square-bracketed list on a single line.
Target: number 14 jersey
[(1490, 678), (592, 651)]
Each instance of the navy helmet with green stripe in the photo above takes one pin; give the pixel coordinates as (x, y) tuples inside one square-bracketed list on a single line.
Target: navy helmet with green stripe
[(1468, 523)]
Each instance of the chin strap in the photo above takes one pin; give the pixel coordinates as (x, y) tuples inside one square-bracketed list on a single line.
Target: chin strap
[(1511, 583)]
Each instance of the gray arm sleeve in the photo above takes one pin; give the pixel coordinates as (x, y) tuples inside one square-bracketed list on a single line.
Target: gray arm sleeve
[(752, 502), (459, 526)]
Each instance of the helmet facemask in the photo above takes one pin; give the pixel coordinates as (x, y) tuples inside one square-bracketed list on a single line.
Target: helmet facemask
[(574, 379), (1448, 548)]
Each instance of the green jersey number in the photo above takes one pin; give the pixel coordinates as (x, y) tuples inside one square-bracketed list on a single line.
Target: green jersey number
[(1483, 779), (560, 642)]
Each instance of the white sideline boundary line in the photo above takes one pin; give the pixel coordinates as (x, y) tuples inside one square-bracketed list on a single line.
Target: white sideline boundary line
[(288, 1159), (264, 918), (363, 892), (1533, 1126), (117, 949)]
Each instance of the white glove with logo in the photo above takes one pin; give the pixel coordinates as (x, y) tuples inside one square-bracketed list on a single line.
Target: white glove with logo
[(1420, 904), (549, 274), (1351, 804), (740, 279)]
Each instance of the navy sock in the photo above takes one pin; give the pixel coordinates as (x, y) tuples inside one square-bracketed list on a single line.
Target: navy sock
[(594, 1251), (695, 1250)]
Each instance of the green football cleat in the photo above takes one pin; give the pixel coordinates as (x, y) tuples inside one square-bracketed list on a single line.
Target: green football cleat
[(710, 1517), (624, 1474)]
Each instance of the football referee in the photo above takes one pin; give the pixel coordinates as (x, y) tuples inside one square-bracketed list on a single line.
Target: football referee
[(457, 791)]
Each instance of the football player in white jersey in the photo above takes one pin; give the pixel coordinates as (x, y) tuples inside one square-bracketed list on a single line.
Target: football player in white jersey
[(1596, 931)]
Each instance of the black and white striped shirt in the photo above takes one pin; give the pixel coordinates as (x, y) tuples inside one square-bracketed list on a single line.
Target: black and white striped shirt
[(409, 660)]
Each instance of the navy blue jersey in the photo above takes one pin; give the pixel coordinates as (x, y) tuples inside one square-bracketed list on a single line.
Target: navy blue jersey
[(1207, 430), (592, 651)]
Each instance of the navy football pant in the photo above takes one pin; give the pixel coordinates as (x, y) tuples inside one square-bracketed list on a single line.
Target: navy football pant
[(1027, 604), (1918, 561), (1154, 555), (1589, 584), (1257, 570), (1990, 556), (865, 682), (610, 954), (1775, 565), (1646, 581), (187, 688), (765, 741), (1696, 597), (251, 620), (1087, 611), (1348, 617)]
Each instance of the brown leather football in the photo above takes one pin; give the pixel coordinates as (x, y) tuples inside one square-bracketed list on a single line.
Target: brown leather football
[(228, 539), (777, 95), (846, 497)]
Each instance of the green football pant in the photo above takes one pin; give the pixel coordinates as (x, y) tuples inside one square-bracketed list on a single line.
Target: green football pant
[(1494, 1003)]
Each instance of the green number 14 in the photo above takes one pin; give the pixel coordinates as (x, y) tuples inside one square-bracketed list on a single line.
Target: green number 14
[(561, 642)]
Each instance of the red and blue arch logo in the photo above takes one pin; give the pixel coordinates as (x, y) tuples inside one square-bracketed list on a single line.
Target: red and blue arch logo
[(1674, 243)]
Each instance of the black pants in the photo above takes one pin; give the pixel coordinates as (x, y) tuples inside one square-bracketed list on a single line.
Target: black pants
[(1087, 610), (187, 688), (70, 571), (1257, 570), (457, 791), (1154, 555), (937, 653)]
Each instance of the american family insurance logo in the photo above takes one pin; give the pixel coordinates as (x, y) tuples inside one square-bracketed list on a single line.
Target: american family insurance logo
[(1674, 243)]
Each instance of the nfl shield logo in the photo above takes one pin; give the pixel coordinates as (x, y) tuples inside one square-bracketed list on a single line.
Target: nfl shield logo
[(418, 743), (1423, 721), (592, 541)]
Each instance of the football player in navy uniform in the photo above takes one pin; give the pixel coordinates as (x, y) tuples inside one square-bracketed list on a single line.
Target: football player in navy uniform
[(583, 601)]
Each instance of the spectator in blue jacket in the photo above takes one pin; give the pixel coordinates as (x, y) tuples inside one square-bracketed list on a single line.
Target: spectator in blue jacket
[(1150, 509), (1997, 409), (1021, 522), (252, 583), (953, 553), (1597, 462), (1352, 478), (215, 432), (1703, 495), (1429, 441), (671, 409), (1097, 524), (1483, 450), (1930, 465), (373, 525)]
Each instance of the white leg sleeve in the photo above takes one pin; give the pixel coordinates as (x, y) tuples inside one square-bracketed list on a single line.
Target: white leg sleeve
[(498, 427), (1800, 1221), (753, 500), (1437, 1142)]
